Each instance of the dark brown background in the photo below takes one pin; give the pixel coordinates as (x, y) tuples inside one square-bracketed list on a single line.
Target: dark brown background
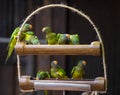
[(104, 13)]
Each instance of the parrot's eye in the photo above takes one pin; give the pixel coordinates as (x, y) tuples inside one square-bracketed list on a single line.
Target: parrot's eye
[(16, 37)]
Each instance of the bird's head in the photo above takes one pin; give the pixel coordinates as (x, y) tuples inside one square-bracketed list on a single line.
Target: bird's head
[(54, 63), (67, 35), (82, 63), (39, 75), (27, 27), (46, 29)]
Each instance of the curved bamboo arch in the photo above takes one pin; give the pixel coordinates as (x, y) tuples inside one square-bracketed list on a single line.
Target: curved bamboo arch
[(79, 13)]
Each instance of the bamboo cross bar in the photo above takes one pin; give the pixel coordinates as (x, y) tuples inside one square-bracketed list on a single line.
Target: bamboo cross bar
[(69, 85), (62, 86), (83, 49)]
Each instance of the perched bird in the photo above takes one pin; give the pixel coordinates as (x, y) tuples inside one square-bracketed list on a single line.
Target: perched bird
[(59, 38), (13, 39), (50, 36), (63, 39), (78, 70), (56, 71), (30, 38), (42, 75), (74, 39)]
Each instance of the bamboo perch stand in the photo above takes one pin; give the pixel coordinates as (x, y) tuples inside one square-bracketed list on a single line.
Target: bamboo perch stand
[(26, 84), (96, 48), (92, 49)]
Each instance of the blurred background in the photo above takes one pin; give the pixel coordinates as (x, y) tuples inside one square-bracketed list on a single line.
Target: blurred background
[(104, 13)]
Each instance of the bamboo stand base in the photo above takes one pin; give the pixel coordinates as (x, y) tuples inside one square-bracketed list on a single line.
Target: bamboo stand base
[(26, 84)]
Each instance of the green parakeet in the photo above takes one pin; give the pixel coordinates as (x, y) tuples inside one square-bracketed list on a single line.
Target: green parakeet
[(50, 36), (78, 70), (30, 38), (63, 39), (74, 39), (13, 39), (56, 71), (42, 75)]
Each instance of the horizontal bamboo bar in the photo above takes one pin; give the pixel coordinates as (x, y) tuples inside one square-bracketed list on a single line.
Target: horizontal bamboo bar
[(92, 49), (26, 84), (62, 86)]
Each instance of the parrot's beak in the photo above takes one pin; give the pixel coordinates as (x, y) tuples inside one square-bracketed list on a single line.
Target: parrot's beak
[(68, 35), (43, 30), (37, 78), (31, 27)]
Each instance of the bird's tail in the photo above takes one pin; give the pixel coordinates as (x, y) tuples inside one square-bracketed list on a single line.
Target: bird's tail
[(45, 92), (6, 59), (9, 54)]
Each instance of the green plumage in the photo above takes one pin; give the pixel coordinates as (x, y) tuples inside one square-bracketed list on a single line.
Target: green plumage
[(30, 38), (78, 70), (58, 38), (57, 72), (42, 75), (62, 39), (13, 39), (74, 39), (50, 37)]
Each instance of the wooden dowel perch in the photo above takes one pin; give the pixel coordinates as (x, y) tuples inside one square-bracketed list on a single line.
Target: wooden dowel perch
[(92, 49), (69, 85)]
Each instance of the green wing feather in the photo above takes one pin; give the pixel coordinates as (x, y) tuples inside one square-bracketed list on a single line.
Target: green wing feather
[(74, 39), (73, 70), (62, 73), (61, 70), (15, 32)]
